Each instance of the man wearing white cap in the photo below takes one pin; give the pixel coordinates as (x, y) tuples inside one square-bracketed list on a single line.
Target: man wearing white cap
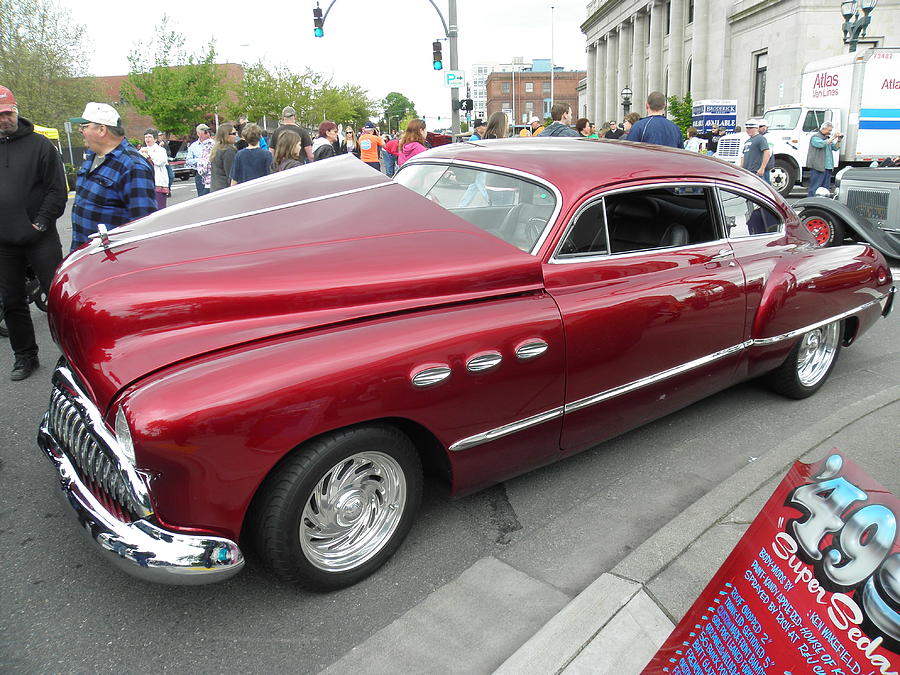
[(115, 184), (536, 127), (756, 152), (32, 196)]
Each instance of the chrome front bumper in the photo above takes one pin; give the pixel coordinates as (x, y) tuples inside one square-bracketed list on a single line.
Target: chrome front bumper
[(141, 548)]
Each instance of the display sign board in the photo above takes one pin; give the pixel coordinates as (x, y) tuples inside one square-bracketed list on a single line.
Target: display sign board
[(813, 586), (455, 79), (714, 112)]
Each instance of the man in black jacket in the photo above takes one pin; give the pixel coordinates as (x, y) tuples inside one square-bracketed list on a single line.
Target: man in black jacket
[(32, 196)]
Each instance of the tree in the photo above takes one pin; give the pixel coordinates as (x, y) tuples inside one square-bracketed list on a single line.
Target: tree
[(681, 111), (41, 61), (175, 88), (394, 105)]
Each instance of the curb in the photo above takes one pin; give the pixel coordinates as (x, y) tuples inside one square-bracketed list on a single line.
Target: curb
[(605, 613)]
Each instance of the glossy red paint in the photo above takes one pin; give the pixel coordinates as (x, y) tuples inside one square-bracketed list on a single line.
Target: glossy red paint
[(232, 329)]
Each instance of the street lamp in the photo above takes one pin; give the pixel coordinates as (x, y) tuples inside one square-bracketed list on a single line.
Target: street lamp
[(626, 100), (855, 25)]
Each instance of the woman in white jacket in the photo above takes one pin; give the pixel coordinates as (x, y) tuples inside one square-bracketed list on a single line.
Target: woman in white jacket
[(156, 155)]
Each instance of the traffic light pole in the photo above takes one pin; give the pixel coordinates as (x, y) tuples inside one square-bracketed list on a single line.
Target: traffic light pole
[(451, 32)]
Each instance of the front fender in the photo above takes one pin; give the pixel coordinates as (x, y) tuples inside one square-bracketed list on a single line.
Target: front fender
[(210, 430), (864, 229)]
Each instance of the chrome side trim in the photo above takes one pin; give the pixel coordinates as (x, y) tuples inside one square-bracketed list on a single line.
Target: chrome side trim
[(506, 430), (268, 209), (653, 379), (141, 548), (498, 432), (482, 362), (430, 376), (531, 349), (800, 331)]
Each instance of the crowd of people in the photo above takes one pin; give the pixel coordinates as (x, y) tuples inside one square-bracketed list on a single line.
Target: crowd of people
[(118, 182)]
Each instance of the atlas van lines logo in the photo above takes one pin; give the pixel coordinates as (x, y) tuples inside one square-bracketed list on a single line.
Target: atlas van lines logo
[(825, 85)]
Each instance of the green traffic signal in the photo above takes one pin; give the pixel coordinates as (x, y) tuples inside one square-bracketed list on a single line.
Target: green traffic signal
[(438, 65), (318, 22), (318, 32), (437, 58)]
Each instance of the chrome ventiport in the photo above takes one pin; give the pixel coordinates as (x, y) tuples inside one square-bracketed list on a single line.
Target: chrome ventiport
[(482, 362), (430, 376), (531, 349)]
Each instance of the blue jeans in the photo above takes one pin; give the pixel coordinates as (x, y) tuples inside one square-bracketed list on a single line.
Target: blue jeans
[(390, 164), (818, 179), (198, 181)]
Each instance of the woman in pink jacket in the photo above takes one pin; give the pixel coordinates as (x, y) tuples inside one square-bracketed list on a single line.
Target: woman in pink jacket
[(412, 142)]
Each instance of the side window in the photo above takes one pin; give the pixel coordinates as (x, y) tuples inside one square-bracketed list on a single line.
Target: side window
[(746, 218), (659, 218), (587, 235), (814, 119)]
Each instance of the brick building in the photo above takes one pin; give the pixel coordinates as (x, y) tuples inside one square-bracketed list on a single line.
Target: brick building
[(526, 92)]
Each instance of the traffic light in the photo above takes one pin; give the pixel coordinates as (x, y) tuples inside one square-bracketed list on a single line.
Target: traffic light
[(436, 57), (466, 104), (318, 21)]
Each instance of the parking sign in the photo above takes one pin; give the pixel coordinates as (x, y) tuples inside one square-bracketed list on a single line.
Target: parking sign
[(455, 79)]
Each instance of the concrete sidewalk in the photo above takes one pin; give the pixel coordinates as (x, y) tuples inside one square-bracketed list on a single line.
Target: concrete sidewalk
[(618, 622)]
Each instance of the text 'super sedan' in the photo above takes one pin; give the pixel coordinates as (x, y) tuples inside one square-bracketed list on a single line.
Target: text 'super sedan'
[(274, 364)]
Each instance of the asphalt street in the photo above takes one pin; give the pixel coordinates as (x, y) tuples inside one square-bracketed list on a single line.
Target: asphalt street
[(65, 610)]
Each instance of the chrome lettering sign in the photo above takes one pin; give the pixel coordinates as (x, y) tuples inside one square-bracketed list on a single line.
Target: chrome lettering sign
[(849, 544)]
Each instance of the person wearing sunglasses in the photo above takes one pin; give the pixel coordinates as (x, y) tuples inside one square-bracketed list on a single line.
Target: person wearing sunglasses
[(222, 156), (349, 142)]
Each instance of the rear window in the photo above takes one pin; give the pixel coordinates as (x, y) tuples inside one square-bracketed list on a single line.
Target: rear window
[(512, 208)]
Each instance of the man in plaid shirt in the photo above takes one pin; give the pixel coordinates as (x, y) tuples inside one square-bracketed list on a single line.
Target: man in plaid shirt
[(115, 183)]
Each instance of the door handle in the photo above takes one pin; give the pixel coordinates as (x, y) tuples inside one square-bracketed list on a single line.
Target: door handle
[(723, 254)]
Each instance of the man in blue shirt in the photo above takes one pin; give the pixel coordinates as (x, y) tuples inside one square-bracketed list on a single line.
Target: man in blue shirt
[(756, 153), (655, 128), (115, 184)]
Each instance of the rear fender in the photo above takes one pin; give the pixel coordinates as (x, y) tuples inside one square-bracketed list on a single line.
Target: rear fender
[(812, 287)]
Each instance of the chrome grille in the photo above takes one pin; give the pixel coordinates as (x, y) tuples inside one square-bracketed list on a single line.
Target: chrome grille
[(729, 147), (95, 467), (869, 203)]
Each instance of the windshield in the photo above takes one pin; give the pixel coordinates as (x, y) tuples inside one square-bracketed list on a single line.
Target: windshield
[(785, 118), (513, 209)]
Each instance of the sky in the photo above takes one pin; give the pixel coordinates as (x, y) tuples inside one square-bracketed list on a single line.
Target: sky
[(382, 47)]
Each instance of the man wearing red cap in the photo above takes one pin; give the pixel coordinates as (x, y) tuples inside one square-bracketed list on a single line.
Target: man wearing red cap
[(32, 196)]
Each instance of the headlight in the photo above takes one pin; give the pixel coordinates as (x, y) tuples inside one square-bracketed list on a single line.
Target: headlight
[(123, 435)]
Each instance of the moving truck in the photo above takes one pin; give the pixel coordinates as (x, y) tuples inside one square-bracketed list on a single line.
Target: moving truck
[(859, 93)]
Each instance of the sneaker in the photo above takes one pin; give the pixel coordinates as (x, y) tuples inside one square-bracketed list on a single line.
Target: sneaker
[(25, 366)]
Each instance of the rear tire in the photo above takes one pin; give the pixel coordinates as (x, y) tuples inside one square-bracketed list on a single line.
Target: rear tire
[(810, 362), (827, 229), (337, 508)]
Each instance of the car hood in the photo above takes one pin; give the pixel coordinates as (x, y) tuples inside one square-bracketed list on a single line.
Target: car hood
[(326, 243)]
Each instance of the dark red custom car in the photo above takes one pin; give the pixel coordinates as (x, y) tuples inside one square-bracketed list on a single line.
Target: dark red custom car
[(274, 364)]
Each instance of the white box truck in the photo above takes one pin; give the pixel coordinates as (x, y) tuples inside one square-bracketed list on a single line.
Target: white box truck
[(859, 93)]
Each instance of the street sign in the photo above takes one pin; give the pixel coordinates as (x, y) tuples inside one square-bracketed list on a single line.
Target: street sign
[(455, 79), (67, 126)]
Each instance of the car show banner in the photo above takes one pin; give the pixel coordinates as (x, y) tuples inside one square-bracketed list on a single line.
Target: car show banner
[(813, 586)]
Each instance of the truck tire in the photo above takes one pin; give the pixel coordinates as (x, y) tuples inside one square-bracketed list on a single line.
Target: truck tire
[(827, 228), (338, 507), (783, 177)]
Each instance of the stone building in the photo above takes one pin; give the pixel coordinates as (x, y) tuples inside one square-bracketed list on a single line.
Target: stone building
[(752, 51)]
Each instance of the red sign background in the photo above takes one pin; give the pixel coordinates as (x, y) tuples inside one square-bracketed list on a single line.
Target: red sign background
[(813, 586)]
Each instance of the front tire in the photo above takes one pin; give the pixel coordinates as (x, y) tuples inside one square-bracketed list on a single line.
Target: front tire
[(810, 362), (336, 509), (783, 177), (826, 228)]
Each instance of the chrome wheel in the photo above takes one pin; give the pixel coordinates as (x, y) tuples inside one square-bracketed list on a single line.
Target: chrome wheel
[(818, 349), (353, 510)]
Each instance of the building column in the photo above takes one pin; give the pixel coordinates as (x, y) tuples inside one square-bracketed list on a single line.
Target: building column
[(600, 91), (676, 48), (638, 60), (590, 94), (612, 67), (657, 32), (624, 71), (700, 51)]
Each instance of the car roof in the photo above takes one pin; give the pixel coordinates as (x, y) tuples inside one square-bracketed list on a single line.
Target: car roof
[(579, 165)]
